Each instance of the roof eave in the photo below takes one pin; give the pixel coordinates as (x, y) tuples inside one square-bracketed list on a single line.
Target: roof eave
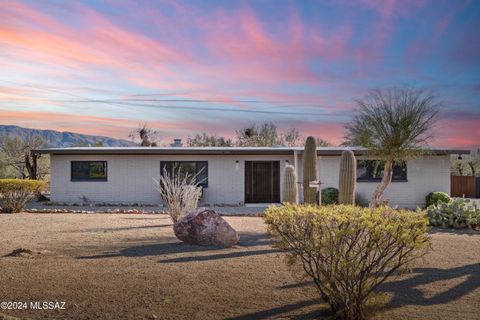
[(217, 151)]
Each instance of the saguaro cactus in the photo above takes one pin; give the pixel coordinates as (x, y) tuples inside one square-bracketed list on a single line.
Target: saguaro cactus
[(347, 178), (289, 185), (309, 170)]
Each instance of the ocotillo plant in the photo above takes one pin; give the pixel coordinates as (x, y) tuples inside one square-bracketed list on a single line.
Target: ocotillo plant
[(347, 178), (309, 170), (290, 185)]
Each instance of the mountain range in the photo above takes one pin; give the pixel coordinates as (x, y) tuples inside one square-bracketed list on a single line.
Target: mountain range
[(63, 139)]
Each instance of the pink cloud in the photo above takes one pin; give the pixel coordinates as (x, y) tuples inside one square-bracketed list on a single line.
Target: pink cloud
[(460, 130)]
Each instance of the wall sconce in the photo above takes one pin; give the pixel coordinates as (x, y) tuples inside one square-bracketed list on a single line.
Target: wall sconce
[(287, 161), (459, 157), (237, 164)]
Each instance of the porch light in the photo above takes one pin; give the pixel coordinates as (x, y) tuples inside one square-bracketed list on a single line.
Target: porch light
[(459, 157), (237, 164), (287, 161)]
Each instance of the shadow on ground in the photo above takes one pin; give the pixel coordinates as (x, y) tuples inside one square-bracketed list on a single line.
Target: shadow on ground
[(122, 228), (407, 292), (247, 241), (279, 311), (452, 231)]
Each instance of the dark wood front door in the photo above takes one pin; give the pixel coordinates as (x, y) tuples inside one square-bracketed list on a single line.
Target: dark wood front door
[(262, 181)]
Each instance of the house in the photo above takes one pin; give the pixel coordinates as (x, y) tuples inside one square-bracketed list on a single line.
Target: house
[(234, 176)]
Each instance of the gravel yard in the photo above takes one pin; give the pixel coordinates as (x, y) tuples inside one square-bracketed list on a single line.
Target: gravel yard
[(131, 266)]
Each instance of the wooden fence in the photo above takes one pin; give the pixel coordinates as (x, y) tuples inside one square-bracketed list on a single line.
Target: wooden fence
[(463, 186)]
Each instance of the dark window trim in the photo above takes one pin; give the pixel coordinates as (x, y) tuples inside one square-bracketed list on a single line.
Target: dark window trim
[(203, 184), (376, 180), (72, 179)]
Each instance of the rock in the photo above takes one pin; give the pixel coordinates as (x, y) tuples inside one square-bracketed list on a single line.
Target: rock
[(20, 252), (205, 227)]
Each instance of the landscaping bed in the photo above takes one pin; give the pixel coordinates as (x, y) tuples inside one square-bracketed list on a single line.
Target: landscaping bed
[(132, 266)]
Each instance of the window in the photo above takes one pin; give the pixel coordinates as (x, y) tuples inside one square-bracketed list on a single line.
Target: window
[(372, 170), (192, 168), (89, 170)]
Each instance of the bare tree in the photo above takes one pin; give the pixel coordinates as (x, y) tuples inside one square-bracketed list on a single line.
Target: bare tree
[(207, 140), (291, 138), (469, 165), (258, 135), (148, 137), (460, 168), (323, 143), (473, 163), (394, 125), (18, 154)]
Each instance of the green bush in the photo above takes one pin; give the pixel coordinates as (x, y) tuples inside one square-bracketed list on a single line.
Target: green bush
[(329, 196), (458, 213), (436, 197), (348, 251), (15, 193)]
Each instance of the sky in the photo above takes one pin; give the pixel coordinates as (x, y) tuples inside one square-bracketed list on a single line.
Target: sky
[(184, 67)]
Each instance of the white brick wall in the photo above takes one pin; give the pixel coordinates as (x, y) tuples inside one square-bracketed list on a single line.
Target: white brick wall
[(130, 178), (424, 176)]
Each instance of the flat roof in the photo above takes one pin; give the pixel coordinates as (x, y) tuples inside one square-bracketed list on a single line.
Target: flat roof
[(327, 151)]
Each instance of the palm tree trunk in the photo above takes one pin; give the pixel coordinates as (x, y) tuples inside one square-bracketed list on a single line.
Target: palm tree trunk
[(386, 179)]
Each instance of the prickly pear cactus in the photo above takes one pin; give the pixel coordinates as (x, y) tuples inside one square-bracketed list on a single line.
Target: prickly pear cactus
[(290, 185), (458, 213), (309, 170), (347, 178)]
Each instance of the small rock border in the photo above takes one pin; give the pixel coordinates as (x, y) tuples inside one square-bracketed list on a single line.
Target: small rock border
[(131, 211), (127, 211)]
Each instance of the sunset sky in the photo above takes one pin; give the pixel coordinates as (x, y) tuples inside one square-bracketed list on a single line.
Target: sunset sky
[(103, 67)]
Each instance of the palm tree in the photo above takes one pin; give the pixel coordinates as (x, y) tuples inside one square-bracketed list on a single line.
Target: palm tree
[(395, 126)]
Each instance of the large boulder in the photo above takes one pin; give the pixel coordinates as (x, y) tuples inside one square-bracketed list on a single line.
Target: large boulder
[(206, 228)]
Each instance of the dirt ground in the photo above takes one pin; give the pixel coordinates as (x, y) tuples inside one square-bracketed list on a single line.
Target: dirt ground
[(107, 266)]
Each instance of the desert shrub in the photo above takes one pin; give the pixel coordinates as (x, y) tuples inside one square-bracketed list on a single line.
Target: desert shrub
[(348, 251), (330, 196), (180, 193), (15, 193), (361, 200), (458, 213), (436, 197)]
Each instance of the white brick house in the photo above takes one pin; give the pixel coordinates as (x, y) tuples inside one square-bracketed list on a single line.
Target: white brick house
[(234, 176)]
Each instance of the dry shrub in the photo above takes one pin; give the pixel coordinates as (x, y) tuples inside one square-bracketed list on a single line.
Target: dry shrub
[(348, 251), (15, 193), (180, 193)]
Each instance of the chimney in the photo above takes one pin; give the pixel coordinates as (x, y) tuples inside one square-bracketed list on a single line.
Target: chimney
[(177, 143)]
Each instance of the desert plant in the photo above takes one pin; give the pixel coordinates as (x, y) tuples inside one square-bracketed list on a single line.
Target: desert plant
[(348, 251), (330, 196), (180, 192), (309, 170), (15, 193), (436, 197), (457, 213), (347, 178), (290, 185), (361, 200), (395, 126)]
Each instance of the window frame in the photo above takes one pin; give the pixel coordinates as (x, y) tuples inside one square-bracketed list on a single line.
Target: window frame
[(197, 164), (380, 178), (89, 179)]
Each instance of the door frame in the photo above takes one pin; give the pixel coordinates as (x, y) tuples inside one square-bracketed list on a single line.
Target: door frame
[(275, 196)]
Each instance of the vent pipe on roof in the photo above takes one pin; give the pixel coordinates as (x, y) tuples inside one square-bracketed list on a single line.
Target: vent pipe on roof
[(177, 143)]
